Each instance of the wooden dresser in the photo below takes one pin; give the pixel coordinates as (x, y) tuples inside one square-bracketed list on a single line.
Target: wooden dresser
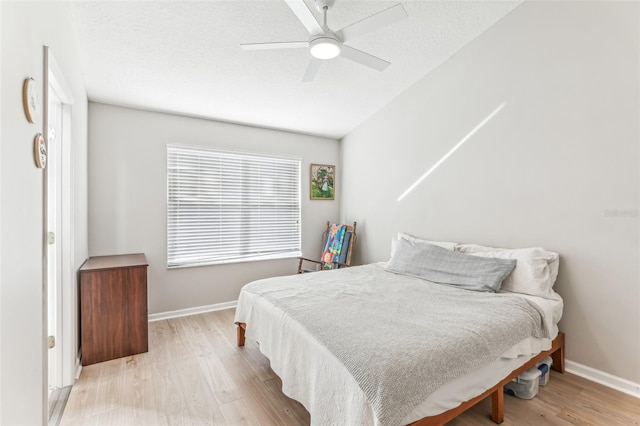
[(113, 307)]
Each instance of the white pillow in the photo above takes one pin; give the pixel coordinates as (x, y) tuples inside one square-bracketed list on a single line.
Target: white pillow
[(534, 274), (443, 244)]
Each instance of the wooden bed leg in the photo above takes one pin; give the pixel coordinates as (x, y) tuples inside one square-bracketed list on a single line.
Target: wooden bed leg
[(558, 355), (240, 335), (497, 405)]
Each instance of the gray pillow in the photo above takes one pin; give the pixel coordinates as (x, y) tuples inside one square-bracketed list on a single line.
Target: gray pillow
[(442, 266)]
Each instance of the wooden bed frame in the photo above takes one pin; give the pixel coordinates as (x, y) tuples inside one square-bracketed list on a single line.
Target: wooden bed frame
[(497, 392)]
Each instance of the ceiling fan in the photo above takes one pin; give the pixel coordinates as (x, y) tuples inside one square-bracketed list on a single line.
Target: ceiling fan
[(324, 43)]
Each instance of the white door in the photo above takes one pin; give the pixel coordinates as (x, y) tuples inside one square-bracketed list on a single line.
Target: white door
[(54, 236)]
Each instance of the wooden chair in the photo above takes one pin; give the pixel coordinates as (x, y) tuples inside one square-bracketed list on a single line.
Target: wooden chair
[(346, 252)]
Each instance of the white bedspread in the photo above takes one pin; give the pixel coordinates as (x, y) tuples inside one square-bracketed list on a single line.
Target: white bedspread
[(312, 375)]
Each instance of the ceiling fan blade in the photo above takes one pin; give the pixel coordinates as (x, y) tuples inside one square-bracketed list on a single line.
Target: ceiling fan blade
[(312, 70), (365, 59), (300, 9), (372, 23), (276, 45)]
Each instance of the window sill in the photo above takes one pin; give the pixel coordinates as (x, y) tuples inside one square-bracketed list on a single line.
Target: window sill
[(278, 256)]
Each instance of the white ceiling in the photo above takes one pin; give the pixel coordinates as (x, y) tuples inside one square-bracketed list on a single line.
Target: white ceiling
[(184, 57)]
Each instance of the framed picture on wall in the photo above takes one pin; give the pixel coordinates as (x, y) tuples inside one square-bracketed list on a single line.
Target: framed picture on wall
[(322, 182)]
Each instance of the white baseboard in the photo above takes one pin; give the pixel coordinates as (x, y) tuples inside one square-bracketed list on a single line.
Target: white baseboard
[(78, 368), (606, 379), (192, 311)]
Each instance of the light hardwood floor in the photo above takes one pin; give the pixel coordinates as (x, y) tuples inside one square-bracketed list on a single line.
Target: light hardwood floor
[(195, 374)]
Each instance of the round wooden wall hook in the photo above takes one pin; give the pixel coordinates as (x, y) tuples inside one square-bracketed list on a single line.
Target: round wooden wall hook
[(40, 151), (30, 99)]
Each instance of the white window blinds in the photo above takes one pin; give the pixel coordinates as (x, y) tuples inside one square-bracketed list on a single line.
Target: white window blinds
[(230, 207)]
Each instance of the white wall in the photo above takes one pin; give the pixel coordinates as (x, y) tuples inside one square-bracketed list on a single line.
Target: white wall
[(1, 139), (542, 172), (26, 27), (128, 195)]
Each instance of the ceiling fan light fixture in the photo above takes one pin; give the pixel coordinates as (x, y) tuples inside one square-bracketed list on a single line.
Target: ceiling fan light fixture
[(324, 48)]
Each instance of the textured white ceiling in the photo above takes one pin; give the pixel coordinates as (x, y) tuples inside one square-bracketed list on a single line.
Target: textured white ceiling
[(184, 57)]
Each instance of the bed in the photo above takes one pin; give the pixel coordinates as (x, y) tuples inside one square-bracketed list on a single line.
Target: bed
[(351, 344)]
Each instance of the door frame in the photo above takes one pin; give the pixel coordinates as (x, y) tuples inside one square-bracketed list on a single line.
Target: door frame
[(67, 300), (55, 259)]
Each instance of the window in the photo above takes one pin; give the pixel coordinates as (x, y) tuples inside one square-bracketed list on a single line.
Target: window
[(230, 207)]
